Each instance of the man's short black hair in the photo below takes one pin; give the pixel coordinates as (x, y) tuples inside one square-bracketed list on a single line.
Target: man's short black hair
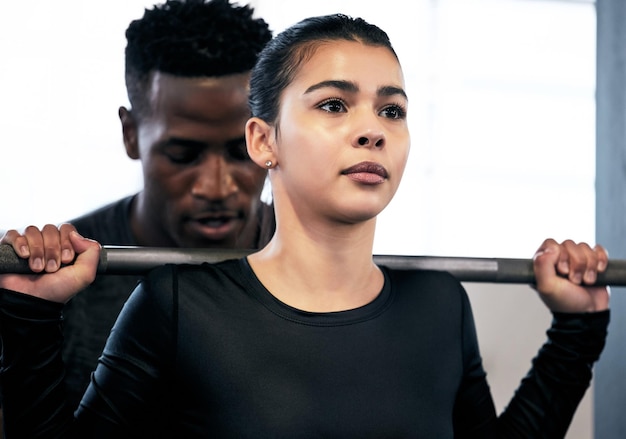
[(191, 38)]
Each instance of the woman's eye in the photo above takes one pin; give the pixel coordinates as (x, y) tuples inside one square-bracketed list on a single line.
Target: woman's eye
[(333, 106), (394, 112)]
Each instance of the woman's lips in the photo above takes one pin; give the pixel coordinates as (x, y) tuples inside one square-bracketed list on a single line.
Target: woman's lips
[(366, 173)]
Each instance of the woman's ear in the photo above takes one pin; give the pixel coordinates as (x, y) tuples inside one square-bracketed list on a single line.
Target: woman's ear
[(129, 132), (260, 140)]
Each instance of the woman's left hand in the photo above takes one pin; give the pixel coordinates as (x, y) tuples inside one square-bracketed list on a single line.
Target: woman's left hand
[(565, 274)]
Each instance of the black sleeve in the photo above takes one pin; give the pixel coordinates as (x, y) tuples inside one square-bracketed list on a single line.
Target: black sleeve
[(131, 386), (547, 398), (122, 399), (31, 376)]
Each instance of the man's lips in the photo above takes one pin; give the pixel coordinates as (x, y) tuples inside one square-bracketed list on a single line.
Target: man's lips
[(214, 221), (366, 172), (215, 225), (216, 218)]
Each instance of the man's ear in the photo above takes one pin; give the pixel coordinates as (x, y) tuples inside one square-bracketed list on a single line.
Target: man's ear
[(129, 132), (261, 142)]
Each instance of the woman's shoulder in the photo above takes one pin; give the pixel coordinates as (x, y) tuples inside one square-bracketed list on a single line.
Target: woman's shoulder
[(167, 285), (424, 278), (170, 274), (427, 286)]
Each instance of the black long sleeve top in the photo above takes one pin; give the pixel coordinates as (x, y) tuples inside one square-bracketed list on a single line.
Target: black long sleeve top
[(207, 351)]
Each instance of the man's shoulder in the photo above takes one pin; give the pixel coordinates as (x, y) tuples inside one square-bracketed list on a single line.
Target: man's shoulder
[(109, 224)]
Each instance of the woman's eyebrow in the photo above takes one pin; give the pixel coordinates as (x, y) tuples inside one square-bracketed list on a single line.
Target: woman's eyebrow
[(349, 86), (391, 90)]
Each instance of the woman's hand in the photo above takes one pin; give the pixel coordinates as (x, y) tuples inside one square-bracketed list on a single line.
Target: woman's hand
[(48, 251), (565, 274)]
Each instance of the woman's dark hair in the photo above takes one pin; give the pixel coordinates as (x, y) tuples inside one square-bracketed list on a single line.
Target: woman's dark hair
[(281, 58)]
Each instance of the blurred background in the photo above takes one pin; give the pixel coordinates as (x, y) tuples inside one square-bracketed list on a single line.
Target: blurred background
[(501, 115)]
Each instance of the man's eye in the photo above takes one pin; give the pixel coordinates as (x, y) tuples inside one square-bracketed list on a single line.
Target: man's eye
[(182, 157), (238, 152), (333, 106)]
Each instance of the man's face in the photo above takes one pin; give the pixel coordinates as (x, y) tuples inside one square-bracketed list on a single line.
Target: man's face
[(200, 187)]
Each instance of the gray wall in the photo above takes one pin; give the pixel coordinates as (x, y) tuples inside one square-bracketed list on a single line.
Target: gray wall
[(610, 380)]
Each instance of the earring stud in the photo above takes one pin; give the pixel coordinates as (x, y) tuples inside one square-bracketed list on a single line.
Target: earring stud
[(268, 163)]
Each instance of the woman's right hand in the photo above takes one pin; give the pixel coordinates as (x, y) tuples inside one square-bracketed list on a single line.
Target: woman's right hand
[(64, 262)]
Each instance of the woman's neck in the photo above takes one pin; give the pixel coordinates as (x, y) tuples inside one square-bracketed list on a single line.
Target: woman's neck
[(320, 269)]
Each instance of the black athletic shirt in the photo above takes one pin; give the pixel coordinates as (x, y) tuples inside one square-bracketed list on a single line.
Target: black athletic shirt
[(207, 351), (90, 315)]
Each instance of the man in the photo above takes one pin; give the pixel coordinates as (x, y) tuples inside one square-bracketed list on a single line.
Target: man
[(187, 71)]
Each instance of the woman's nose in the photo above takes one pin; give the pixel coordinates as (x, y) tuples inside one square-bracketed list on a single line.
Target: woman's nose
[(370, 139)]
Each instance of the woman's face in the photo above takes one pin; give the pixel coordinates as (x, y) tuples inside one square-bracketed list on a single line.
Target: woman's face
[(342, 137)]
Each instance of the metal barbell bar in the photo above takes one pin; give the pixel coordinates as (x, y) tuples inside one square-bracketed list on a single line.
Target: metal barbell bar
[(139, 260)]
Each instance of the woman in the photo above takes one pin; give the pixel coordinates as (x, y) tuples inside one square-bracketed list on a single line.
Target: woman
[(307, 337)]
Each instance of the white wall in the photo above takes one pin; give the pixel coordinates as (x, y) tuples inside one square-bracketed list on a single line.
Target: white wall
[(501, 112), (61, 83)]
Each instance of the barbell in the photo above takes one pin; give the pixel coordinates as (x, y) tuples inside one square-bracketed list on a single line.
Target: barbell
[(139, 260)]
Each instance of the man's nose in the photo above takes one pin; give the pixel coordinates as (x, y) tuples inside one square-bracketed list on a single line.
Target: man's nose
[(213, 179)]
